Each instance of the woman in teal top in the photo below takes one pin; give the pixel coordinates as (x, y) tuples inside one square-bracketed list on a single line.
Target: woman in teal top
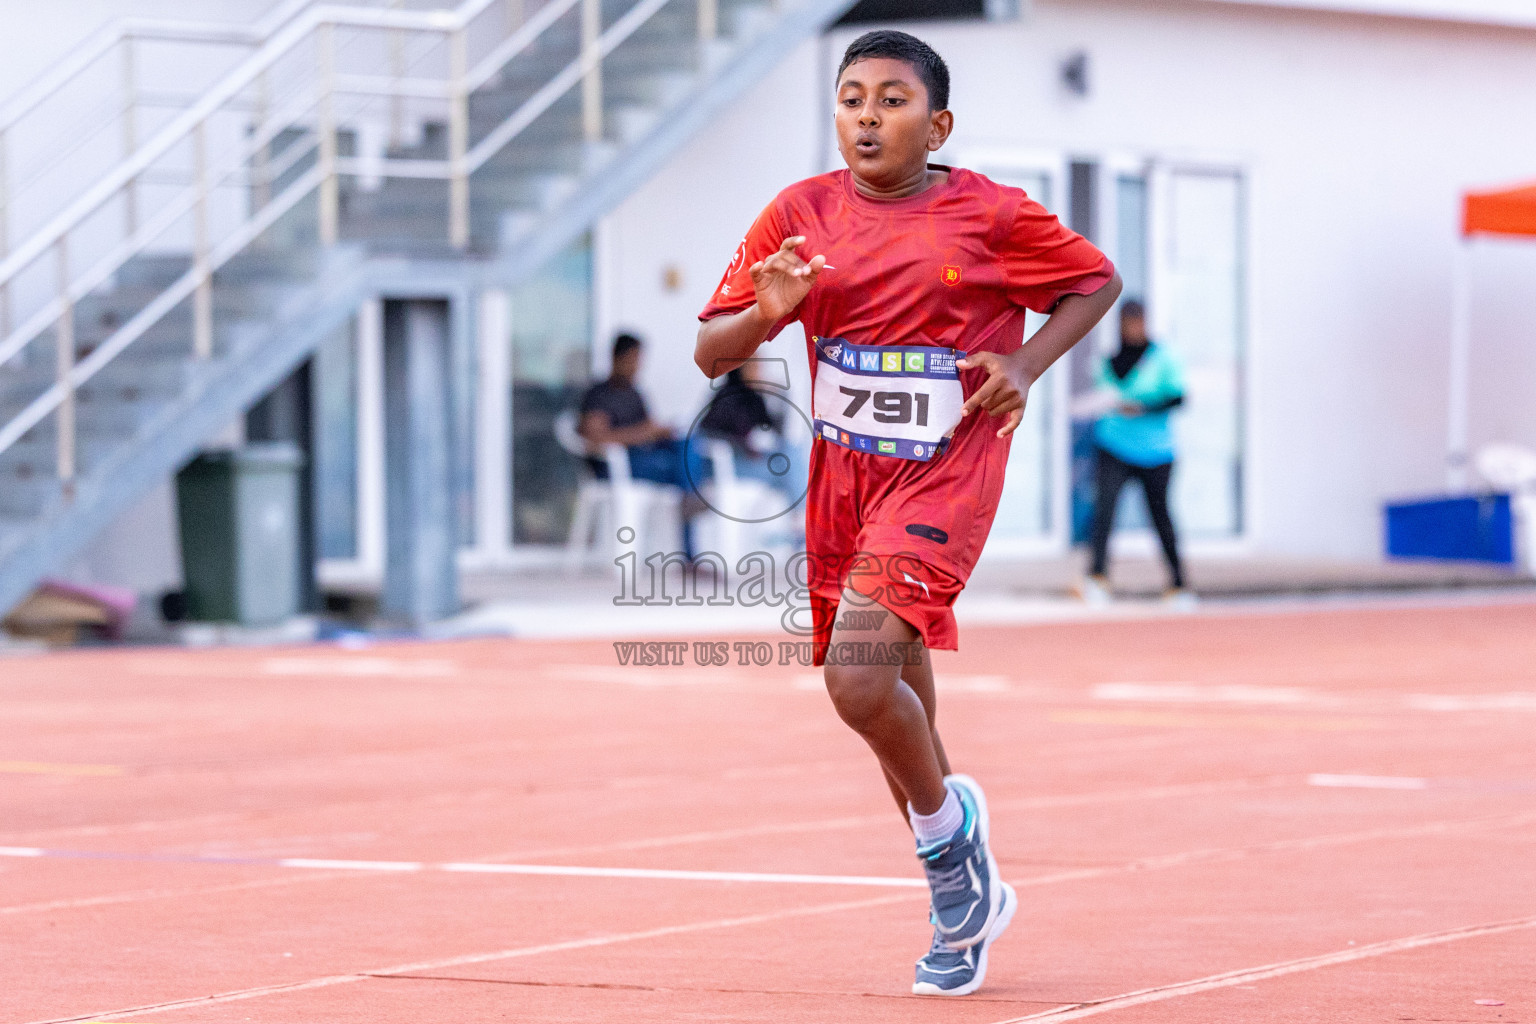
[(1135, 441)]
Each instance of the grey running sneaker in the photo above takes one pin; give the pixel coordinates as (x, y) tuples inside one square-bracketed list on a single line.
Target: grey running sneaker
[(965, 892), (948, 972)]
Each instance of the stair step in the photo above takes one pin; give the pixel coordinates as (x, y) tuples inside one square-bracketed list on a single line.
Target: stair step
[(255, 266), (28, 497), (152, 270), (12, 529), (33, 460), (124, 387), (99, 316), (120, 418)]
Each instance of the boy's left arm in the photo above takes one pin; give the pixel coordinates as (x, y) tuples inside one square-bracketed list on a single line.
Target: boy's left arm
[(1010, 376)]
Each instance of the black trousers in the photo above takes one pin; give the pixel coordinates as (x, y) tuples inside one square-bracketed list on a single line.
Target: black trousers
[(1111, 476)]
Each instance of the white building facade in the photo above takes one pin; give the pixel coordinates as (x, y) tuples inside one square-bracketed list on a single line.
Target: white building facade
[(1279, 182)]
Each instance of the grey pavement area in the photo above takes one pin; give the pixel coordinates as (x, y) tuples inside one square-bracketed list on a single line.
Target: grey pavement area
[(551, 602)]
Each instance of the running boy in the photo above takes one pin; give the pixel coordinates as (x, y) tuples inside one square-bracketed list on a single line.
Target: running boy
[(911, 280)]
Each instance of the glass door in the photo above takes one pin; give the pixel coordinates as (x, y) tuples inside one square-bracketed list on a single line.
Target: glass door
[(1198, 272), (551, 356)]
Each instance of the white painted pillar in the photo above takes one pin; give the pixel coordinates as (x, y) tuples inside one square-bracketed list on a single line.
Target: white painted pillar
[(493, 428), (370, 439), (1458, 380)]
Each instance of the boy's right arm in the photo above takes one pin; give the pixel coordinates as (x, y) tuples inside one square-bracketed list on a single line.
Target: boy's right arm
[(781, 282)]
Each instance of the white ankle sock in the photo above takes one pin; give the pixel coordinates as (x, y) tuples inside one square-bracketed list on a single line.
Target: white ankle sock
[(942, 823)]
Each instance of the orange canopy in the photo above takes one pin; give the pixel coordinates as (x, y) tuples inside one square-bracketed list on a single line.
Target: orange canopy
[(1506, 212)]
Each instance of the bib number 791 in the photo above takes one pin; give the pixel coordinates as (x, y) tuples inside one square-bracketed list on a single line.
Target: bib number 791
[(889, 406)]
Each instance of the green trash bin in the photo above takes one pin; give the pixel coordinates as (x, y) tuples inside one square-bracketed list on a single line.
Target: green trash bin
[(239, 512)]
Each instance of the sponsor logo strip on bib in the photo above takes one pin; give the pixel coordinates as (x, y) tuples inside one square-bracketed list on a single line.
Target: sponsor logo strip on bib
[(901, 401)]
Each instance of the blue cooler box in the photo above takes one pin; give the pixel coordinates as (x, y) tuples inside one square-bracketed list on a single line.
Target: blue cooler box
[(1470, 529)]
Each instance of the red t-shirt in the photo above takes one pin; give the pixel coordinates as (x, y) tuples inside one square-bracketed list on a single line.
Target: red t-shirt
[(953, 267)]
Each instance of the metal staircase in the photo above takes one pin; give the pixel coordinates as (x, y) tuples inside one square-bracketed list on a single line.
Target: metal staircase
[(357, 151)]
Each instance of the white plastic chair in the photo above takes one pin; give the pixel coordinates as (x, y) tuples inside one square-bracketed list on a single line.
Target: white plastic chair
[(736, 501), (1512, 468), (604, 507)]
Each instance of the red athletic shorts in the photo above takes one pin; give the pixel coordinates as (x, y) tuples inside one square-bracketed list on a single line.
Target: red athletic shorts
[(921, 595), (905, 534)]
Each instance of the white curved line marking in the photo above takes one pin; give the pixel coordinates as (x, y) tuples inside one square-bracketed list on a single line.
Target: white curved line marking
[(1276, 970)]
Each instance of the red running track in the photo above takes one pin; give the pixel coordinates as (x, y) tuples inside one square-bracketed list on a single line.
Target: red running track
[(1321, 816)]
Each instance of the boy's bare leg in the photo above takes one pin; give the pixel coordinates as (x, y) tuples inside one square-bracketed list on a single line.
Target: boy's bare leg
[(920, 678), (878, 704)]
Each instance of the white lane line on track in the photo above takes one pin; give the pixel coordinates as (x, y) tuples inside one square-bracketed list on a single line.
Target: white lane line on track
[(1017, 803), (1231, 853), (1191, 693), (1027, 803), (1471, 702), (1163, 861), (358, 667), (140, 895), (1045, 750), (1080, 1009), (1197, 693), (355, 865), (1330, 781), (1275, 970), (1069, 1012), (494, 864), (1076, 874), (687, 876), (480, 958), (481, 868)]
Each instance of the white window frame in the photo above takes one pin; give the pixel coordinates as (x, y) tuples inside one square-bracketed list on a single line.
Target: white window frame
[(366, 569), (492, 492)]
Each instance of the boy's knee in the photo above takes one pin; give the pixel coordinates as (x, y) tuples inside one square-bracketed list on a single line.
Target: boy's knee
[(858, 692)]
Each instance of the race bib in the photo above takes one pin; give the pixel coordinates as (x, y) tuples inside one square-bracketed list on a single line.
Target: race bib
[(901, 401)]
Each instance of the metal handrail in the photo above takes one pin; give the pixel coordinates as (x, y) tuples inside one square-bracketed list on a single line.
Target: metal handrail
[(497, 138), (94, 47), (317, 24), (101, 42), (77, 375), (83, 284), (122, 103), (515, 43), (181, 128)]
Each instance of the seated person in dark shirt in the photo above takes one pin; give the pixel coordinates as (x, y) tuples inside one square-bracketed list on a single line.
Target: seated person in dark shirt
[(613, 412), (739, 414), (736, 410)]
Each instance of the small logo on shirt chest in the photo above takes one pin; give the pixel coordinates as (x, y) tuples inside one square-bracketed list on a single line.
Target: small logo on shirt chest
[(949, 274)]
